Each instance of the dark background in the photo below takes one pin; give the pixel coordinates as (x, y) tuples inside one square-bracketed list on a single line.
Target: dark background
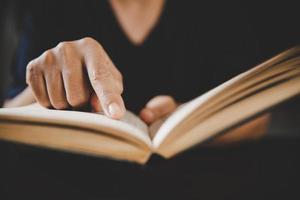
[(276, 27), (262, 170)]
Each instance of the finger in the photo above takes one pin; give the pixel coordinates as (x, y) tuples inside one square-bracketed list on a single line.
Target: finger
[(104, 83), (56, 91), (158, 107), (95, 103), (75, 83), (36, 81)]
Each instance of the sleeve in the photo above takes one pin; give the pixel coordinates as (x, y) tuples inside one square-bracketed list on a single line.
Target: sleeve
[(29, 47), (44, 24)]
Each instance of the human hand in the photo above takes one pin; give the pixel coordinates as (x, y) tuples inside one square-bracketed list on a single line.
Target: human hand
[(160, 106), (155, 109), (69, 73)]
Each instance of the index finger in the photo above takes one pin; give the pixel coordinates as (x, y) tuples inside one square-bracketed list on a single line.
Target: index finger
[(106, 86)]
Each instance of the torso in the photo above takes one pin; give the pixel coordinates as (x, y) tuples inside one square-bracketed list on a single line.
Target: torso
[(186, 52), (137, 18)]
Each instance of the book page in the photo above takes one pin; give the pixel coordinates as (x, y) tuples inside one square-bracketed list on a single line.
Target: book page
[(130, 128), (155, 126), (180, 114), (281, 66), (133, 120), (232, 115), (82, 141)]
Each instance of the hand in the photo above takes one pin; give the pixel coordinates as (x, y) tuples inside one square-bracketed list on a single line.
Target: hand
[(70, 72), (158, 107), (155, 109), (161, 106)]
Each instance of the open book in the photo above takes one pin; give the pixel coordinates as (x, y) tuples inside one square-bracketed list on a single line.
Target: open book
[(220, 109)]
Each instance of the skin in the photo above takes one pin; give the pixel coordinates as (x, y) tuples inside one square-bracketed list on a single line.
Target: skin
[(76, 73), (70, 72)]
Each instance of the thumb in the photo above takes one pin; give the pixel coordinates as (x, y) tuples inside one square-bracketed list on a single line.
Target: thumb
[(157, 107)]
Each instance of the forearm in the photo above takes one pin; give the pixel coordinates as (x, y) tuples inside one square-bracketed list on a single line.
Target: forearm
[(252, 130), (24, 98)]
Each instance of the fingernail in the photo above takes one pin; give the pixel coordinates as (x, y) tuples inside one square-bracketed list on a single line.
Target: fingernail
[(114, 110)]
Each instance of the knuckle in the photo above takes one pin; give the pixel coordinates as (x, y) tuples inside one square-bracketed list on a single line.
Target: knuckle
[(90, 42), (78, 100), (32, 72), (31, 67), (119, 86), (100, 74), (47, 58), (63, 49), (62, 45)]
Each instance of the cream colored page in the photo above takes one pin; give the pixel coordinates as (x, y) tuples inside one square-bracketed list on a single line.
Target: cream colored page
[(72, 140), (184, 111), (155, 126), (220, 121), (129, 128), (135, 121)]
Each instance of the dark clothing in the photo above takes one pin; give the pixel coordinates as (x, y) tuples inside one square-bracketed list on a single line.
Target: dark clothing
[(268, 169), (193, 48)]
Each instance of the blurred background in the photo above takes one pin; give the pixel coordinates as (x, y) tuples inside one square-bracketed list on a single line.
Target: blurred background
[(277, 28)]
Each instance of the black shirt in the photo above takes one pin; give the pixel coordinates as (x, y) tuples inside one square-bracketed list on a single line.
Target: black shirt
[(195, 45)]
